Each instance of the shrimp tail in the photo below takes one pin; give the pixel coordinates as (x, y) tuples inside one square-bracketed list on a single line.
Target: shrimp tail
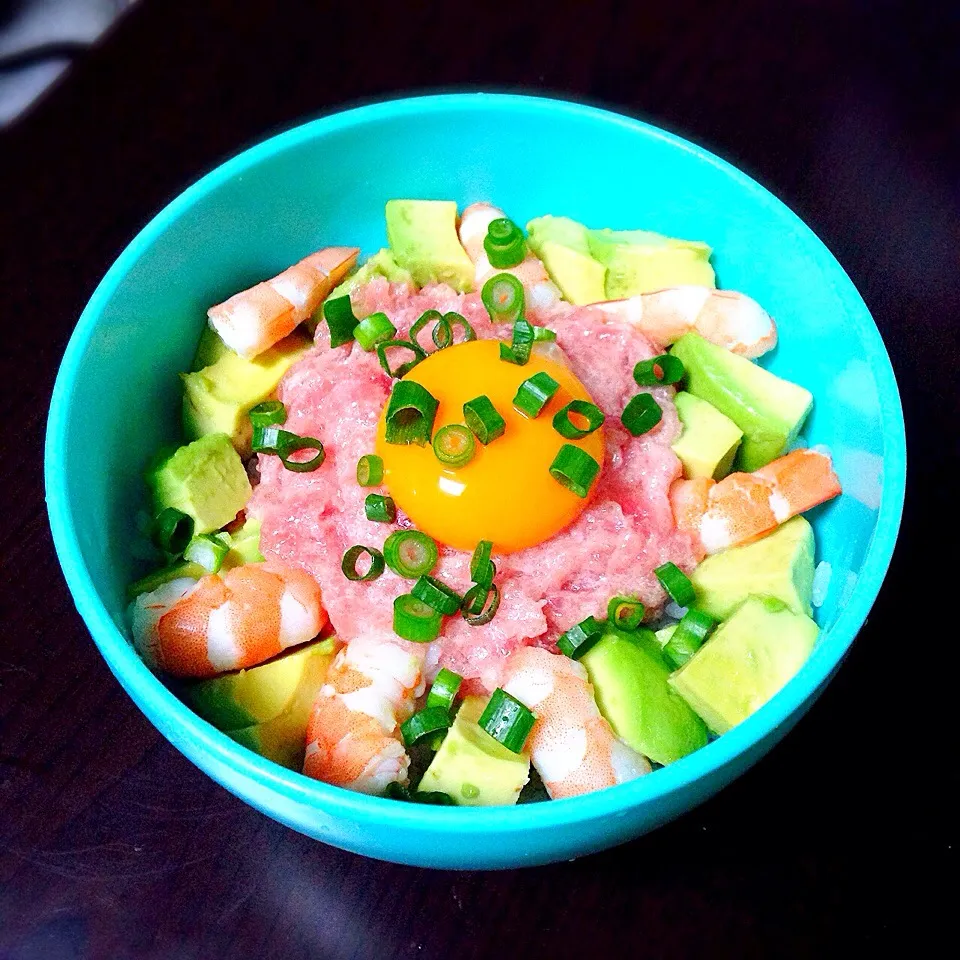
[(729, 319), (530, 271), (571, 745), (745, 506), (353, 737), (200, 628), (255, 319)]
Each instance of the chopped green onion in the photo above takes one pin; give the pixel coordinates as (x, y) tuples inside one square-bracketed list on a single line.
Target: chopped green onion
[(625, 613), (208, 550), (374, 329), (436, 594), (423, 723), (384, 345), (442, 335), (410, 553), (534, 394), (642, 413), (482, 418), (507, 720), (576, 641), (454, 445), (428, 316), (455, 319), (689, 636), (502, 295), (415, 620), (676, 583), (436, 798), (338, 313), (444, 690), (291, 443), (541, 334), (172, 530), (397, 791), (410, 413), (519, 350), (481, 603), (665, 369), (349, 563), (379, 508), (590, 412), (481, 566), (369, 470), (574, 469), (266, 439), (504, 243), (268, 413)]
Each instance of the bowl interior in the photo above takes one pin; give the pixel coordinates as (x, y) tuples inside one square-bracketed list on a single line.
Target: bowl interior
[(117, 398)]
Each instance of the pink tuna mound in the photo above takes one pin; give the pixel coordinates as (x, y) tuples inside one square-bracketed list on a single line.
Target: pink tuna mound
[(613, 547)]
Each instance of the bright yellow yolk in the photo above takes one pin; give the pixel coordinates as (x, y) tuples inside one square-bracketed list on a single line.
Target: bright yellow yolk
[(506, 493)]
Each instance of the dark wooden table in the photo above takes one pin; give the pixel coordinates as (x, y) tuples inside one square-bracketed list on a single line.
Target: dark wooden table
[(114, 846)]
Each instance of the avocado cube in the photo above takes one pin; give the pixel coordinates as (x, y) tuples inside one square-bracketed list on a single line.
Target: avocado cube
[(779, 565), (630, 682), (244, 545), (769, 410), (472, 767), (261, 693), (218, 398), (579, 277), (640, 261), (709, 440), (205, 479), (282, 738), (748, 659), (561, 230), (423, 239), (209, 350)]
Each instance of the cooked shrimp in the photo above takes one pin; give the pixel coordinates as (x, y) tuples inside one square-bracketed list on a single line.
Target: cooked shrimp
[(571, 744), (255, 319), (724, 317), (530, 271), (199, 628), (745, 506), (353, 739)]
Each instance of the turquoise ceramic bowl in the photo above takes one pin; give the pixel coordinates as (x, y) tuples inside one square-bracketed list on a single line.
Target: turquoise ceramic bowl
[(117, 400)]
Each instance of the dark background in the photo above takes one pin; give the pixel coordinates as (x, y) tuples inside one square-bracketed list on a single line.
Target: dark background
[(842, 841)]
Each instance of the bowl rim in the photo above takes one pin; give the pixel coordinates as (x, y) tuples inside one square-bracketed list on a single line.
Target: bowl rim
[(181, 725)]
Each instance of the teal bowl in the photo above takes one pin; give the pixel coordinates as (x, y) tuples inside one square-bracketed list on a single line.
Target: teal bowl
[(116, 401)]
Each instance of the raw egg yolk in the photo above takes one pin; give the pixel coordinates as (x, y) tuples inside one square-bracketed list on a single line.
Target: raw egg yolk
[(506, 492)]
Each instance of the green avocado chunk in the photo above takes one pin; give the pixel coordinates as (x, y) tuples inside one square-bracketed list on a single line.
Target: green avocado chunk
[(640, 261), (205, 479), (747, 660), (709, 441), (244, 545), (562, 245), (209, 350), (282, 739), (579, 277), (561, 230), (381, 264), (629, 677), (254, 696), (472, 767), (218, 398), (779, 565), (770, 411), (423, 239)]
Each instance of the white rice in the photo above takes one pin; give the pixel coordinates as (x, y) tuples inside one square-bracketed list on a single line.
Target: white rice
[(821, 583)]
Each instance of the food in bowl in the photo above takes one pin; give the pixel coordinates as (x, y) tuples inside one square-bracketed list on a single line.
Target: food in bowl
[(521, 521)]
